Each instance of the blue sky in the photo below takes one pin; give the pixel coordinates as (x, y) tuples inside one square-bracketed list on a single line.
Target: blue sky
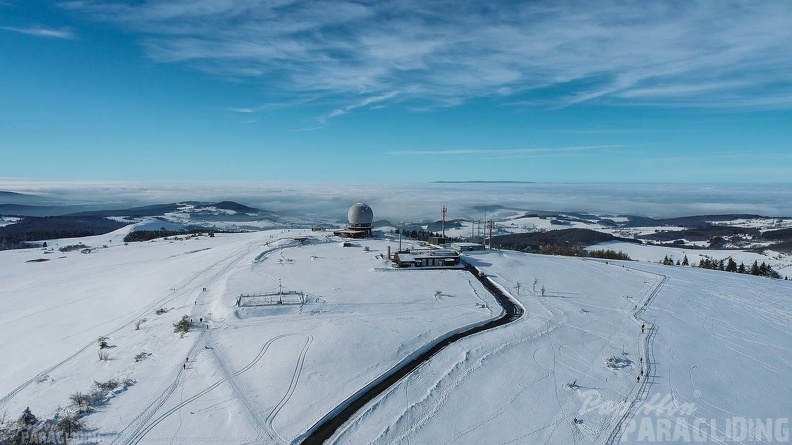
[(221, 90)]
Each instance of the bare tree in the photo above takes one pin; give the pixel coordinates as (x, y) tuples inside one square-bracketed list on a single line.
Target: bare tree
[(69, 424), (81, 401), (536, 281)]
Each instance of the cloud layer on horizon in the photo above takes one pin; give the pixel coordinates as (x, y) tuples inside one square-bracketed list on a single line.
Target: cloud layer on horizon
[(409, 202), (443, 53)]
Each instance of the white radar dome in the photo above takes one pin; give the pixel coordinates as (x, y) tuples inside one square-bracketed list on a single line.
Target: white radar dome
[(360, 214)]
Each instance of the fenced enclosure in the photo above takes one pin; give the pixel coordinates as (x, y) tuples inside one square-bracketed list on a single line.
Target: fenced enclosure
[(270, 299)]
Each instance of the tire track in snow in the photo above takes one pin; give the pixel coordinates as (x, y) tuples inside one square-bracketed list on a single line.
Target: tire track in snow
[(139, 424), (643, 386), (241, 395), (147, 424), (289, 392), (131, 432), (136, 315)]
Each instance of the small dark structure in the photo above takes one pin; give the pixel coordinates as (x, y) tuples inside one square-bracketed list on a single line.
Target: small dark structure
[(437, 240), (427, 258)]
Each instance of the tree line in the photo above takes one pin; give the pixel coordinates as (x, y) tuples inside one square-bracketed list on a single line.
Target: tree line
[(729, 265), (148, 235), (422, 235)]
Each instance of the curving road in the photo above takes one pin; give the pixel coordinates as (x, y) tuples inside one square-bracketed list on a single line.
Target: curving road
[(330, 423)]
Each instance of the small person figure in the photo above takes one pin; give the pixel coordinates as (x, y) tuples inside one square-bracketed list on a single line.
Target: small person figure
[(642, 372), (574, 420), (638, 379), (201, 319), (184, 366), (642, 328), (641, 360), (187, 360)]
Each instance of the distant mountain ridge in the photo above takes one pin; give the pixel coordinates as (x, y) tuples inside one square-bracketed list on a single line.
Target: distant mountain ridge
[(48, 222), (148, 210)]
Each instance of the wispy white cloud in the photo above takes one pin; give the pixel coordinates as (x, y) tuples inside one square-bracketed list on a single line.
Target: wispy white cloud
[(365, 102), (62, 33), (300, 130), (510, 152), (692, 53)]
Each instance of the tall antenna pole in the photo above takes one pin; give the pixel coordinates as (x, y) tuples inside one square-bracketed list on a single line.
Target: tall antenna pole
[(445, 210), (484, 232), (491, 224)]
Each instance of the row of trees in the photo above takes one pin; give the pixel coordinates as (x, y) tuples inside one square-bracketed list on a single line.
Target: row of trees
[(26, 240), (147, 235), (608, 254), (728, 265), (421, 235)]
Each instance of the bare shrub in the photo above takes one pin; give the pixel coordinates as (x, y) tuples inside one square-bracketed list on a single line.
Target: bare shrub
[(142, 356), (81, 401), (69, 424), (104, 356), (182, 326), (107, 386), (161, 311)]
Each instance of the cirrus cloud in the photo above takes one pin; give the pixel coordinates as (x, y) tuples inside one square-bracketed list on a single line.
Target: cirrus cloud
[(443, 53), (38, 31)]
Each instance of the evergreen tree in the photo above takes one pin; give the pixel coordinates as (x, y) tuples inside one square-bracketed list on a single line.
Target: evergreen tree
[(754, 269), (27, 418), (685, 261), (763, 269), (721, 266), (741, 268), (731, 266)]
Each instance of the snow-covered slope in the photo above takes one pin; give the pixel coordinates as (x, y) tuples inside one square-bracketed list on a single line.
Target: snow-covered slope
[(265, 374), (254, 374)]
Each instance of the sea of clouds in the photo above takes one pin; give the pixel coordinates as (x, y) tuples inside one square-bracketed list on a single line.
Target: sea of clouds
[(419, 201)]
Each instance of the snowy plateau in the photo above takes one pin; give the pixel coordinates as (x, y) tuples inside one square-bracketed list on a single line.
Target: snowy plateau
[(605, 351)]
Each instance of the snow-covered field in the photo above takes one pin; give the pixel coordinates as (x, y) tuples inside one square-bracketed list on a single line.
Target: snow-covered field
[(654, 254), (254, 374), (720, 348)]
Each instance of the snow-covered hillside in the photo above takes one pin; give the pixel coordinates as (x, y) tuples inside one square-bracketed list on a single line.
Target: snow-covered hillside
[(267, 373)]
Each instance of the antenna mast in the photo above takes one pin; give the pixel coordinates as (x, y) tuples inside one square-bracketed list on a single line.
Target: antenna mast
[(445, 211), (491, 224)]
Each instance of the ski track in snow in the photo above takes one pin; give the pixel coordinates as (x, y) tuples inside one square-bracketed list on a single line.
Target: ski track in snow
[(143, 423), (292, 386), (181, 291), (709, 314), (173, 295)]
